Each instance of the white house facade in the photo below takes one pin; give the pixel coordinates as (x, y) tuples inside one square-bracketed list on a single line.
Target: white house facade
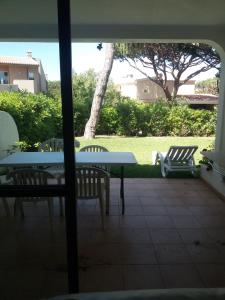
[(147, 91), (22, 73)]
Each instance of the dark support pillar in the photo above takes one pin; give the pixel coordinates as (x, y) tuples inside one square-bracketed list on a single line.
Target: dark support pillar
[(64, 28)]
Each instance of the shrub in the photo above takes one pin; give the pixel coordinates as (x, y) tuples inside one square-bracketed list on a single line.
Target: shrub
[(127, 121), (185, 121), (108, 121), (158, 123), (37, 117), (131, 118)]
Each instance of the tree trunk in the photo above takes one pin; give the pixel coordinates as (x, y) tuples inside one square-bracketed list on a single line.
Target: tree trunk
[(175, 90), (99, 94), (176, 86), (167, 93)]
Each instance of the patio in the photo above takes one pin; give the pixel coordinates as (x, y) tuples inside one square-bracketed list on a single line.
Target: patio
[(172, 235)]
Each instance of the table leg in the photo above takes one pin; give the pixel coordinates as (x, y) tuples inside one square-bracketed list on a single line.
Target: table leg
[(122, 188)]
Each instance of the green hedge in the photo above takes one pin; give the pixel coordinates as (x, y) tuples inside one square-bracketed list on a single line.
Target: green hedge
[(131, 118), (38, 118)]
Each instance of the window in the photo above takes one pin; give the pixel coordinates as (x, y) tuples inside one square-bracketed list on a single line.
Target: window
[(146, 90), (30, 75), (4, 79)]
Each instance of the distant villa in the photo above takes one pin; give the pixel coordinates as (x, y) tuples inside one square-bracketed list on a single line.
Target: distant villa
[(147, 91), (22, 73)]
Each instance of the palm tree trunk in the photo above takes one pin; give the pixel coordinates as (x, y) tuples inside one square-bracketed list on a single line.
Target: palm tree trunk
[(90, 128)]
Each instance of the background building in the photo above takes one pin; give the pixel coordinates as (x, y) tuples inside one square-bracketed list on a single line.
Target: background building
[(147, 91), (22, 73)]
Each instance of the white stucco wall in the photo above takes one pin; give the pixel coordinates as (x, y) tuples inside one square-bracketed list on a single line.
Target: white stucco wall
[(187, 89), (26, 85), (212, 177), (128, 89), (144, 89), (9, 135)]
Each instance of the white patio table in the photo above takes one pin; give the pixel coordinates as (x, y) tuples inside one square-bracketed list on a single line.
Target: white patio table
[(27, 159)]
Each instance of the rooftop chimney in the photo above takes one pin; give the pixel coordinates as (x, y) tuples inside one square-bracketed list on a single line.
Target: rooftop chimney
[(29, 53)]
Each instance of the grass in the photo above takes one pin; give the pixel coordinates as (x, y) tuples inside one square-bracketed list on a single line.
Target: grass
[(142, 148)]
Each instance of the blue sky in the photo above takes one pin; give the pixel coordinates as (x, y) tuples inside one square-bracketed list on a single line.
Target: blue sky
[(84, 56)]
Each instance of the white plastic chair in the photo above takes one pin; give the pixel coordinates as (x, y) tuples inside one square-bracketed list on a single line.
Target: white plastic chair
[(51, 145), (98, 148), (94, 148), (54, 145), (93, 183), (178, 158), (31, 177)]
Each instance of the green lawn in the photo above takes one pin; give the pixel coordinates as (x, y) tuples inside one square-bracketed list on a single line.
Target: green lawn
[(142, 148)]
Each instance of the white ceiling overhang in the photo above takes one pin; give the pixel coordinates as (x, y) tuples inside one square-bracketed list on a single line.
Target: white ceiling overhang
[(107, 20)]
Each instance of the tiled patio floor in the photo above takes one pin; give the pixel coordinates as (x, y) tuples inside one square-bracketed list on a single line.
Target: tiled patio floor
[(172, 235)]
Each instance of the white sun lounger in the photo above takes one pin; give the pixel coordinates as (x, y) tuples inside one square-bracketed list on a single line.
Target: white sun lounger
[(178, 158)]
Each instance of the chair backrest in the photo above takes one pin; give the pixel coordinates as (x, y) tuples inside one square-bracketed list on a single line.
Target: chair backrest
[(180, 153), (94, 148), (54, 145), (30, 177), (51, 145), (89, 182)]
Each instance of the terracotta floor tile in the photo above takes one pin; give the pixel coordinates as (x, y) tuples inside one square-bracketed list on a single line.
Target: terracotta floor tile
[(133, 251), (132, 221), (130, 201), (22, 281), (152, 200), (134, 211), (213, 275), (103, 254), (181, 276), (99, 236), (172, 201), (211, 221), (179, 210), (207, 210), (185, 222), (165, 236), (103, 278), (151, 210), (55, 283), (216, 234), (142, 277), (205, 253), (114, 210), (137, 254), (159, 222), (167, 254), (134, 236), (194, 236)]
